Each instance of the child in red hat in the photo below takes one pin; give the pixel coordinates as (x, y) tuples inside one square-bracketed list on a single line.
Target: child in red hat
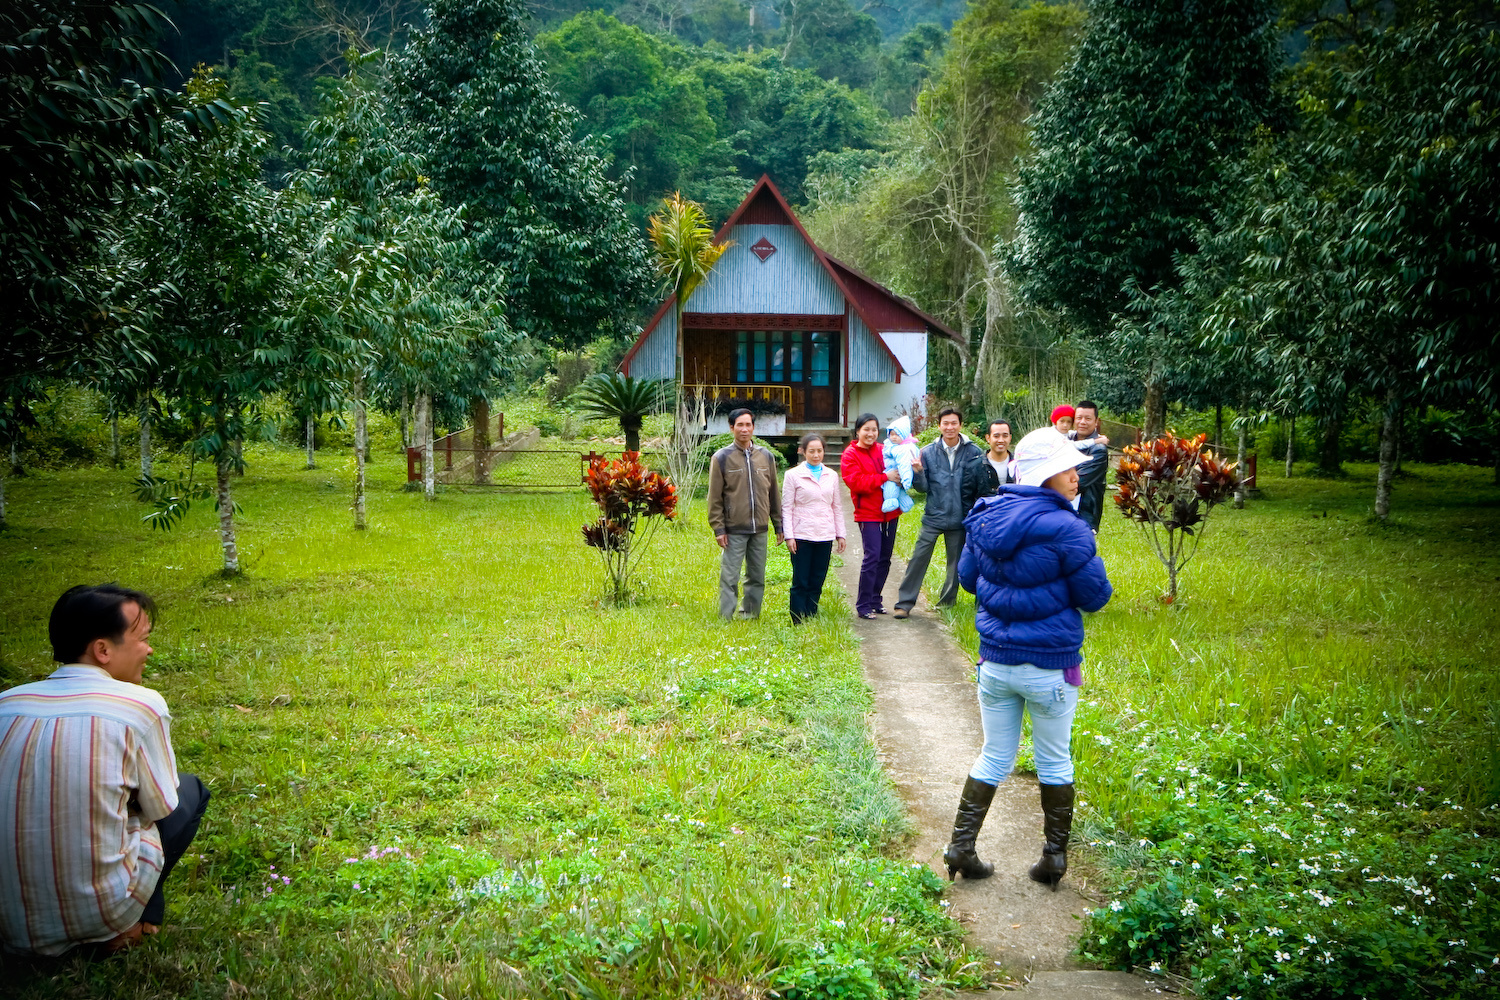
[(1062, 419)]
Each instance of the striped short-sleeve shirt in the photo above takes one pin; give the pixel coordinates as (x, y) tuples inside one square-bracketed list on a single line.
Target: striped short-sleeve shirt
[(86, 770)]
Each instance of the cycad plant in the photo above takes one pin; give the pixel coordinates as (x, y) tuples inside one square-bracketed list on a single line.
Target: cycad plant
[(685, 252), (620, 397)]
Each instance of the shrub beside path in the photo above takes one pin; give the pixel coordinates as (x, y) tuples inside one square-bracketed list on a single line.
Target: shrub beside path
[(928, 732)]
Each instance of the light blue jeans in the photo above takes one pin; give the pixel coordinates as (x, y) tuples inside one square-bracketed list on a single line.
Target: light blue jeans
[(1004, 692)]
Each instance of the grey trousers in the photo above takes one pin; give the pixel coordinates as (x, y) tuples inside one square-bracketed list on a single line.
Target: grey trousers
[(921, 557), (750, 550)]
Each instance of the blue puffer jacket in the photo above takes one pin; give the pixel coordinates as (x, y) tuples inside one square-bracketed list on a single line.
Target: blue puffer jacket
[(1030, 562)]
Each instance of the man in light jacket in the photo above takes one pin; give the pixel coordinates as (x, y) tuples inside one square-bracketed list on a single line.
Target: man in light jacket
[(744, 497), (953, 475)]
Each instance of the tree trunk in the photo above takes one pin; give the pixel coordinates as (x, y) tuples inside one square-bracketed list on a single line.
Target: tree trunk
[(1156, 409), (114, 437), (1239, 493), (424, 436), (310, 431), (1291, 444), (632, 436), (994, 322), (405, 421), (1329, 463), (144, 416), (226, 518), (479, 408), (1389, 428), (2, 500), (359, 454), (15, 459)]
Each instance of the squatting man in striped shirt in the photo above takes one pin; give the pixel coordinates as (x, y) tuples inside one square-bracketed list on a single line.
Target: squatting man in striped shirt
[(93, 813)]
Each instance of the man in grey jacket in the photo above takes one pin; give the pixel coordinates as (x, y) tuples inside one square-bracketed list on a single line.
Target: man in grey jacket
[(744, 496), (953, 475)]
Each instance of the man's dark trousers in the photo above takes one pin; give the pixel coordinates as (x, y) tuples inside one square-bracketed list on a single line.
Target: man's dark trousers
[(921, 557), (177, 830)]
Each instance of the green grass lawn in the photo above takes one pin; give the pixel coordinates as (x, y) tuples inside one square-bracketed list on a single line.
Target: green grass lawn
[(440, 767), (1290, 776)]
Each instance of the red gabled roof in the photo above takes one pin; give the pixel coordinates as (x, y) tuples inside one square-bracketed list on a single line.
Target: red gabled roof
[(890, 311), (879, 307)]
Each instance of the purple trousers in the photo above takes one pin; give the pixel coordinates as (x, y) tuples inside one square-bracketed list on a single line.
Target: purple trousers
[(878, 539)]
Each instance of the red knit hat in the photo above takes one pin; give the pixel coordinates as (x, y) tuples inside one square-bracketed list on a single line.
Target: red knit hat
[(1062, 411)]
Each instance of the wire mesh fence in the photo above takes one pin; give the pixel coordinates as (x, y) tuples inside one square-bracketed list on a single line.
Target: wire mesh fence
[(518, 469)]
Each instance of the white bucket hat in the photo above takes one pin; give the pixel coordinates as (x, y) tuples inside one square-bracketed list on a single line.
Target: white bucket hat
[(1044, 453)]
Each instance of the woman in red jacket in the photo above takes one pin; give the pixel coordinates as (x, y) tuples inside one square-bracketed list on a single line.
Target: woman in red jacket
[(863, 468)]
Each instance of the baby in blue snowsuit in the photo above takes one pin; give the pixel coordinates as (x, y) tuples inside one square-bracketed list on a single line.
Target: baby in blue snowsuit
[(900, 452)]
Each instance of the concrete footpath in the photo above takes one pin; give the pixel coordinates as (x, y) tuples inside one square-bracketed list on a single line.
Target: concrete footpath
[(928, 733)]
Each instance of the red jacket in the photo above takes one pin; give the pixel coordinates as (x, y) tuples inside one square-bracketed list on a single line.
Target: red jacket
[(864, 474)]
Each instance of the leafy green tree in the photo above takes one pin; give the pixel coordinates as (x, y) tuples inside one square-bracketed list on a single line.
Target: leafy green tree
[(1373, 231), (905, 65), (389, 301), (830, 38), (540, 206), (701, 121), (1132, 144), (641, 101), (207, 254), (75, 123)]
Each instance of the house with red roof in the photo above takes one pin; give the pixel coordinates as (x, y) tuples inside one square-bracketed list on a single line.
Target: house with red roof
[(785, 326)]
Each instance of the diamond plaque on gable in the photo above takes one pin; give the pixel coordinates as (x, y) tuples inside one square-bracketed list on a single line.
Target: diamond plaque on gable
[(762, 248)]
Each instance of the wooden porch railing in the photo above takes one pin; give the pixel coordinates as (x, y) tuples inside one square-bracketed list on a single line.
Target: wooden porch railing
[(740, 390)]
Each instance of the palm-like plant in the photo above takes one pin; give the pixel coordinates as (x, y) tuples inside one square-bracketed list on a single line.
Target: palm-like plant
[(685, 252), (620, 397)]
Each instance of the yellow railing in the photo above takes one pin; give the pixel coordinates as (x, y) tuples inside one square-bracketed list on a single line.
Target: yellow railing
[(740, 390)]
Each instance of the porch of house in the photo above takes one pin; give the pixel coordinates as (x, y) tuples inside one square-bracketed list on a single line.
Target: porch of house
[(798, 373)]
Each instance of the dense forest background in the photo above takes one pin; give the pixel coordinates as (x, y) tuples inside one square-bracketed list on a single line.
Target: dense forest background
[(702, 95)]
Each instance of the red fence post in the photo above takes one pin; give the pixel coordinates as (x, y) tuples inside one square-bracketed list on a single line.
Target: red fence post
[(1249, 480), (448, 449), (412, 457)]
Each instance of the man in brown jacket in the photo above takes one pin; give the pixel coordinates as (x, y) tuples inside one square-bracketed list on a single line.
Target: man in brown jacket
[(743, 496)]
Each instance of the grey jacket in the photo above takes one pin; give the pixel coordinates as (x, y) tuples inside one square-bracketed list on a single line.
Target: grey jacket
[(743, 496), (951, 493)]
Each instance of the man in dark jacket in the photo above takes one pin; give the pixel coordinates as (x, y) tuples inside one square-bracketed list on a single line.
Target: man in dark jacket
[(953, 475), (1092, 474), (744, 496)]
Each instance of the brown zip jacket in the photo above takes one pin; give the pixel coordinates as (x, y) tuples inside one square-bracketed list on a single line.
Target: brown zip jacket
[(743, 495)]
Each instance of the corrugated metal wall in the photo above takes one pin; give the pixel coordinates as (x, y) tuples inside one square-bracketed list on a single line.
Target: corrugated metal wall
[(790, 281), (657, 357), (868, 361)]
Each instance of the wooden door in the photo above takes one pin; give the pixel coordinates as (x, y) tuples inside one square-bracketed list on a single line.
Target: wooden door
[(821, 388)]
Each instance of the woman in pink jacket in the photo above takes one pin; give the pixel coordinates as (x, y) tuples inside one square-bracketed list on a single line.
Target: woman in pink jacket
[(812, 520)]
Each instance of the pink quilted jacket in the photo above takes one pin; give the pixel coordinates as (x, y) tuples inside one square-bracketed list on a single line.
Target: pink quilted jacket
[(812, 510)]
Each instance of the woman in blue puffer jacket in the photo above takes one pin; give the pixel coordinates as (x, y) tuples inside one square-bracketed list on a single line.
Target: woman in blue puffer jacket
[(1031, 563)]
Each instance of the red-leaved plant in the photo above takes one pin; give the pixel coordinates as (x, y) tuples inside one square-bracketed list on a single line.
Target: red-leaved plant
[(1168, 486), (632, 501)]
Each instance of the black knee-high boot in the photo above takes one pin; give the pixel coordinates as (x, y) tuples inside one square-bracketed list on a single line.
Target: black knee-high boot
[(972, 808), (1057, 824)]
